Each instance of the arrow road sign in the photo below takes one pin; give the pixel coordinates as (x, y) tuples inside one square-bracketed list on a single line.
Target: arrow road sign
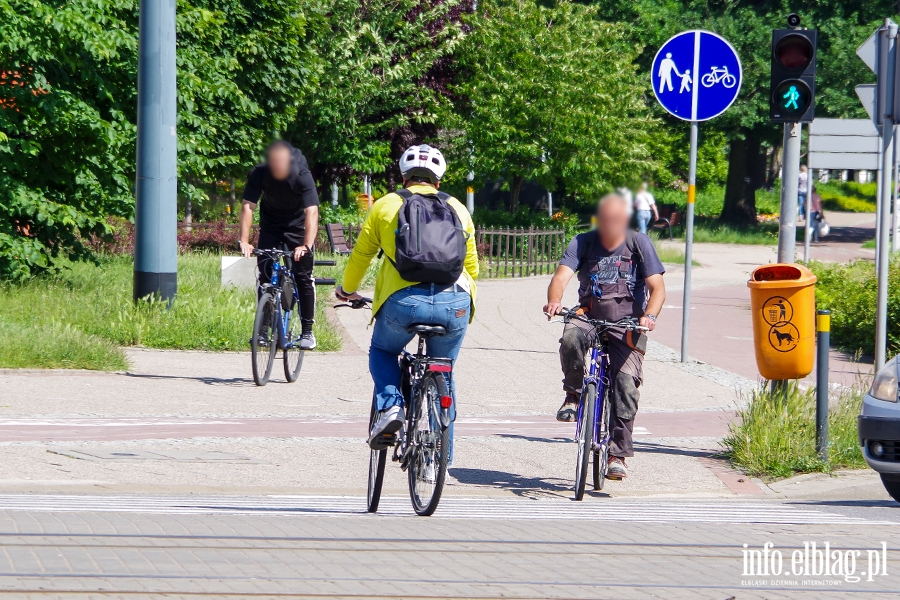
[(696, 75)]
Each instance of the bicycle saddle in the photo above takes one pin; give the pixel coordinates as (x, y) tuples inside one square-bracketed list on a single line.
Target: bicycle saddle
[(426, 330)]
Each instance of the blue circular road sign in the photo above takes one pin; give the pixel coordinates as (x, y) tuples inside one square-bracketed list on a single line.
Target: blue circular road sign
[(696, 75)]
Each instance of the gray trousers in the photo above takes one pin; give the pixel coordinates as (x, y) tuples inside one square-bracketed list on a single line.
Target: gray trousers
[(625, 374)]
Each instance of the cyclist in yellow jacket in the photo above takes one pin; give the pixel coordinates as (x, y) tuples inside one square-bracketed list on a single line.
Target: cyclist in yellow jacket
[(399, 303)]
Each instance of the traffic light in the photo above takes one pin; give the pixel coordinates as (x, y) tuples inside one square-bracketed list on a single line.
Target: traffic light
[(793, 88)]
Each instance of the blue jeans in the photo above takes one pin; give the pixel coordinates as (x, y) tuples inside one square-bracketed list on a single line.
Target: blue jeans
[(440, 305), (643, 218), (801, 201)]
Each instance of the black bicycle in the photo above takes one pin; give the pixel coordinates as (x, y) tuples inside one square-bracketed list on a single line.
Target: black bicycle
[(592, 422), (277, 323), (422, 447)]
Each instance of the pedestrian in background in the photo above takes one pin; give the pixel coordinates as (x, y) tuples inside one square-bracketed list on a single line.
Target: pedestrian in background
[(802, 187), (629, 199), (645, 205), (815, 213)]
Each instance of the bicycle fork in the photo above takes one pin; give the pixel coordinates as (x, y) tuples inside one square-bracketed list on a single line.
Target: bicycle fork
[(597, 376)]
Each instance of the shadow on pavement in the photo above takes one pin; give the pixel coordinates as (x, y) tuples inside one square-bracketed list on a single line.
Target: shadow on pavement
[(232, 381), (529, 438), (650, 448), (518, 484)]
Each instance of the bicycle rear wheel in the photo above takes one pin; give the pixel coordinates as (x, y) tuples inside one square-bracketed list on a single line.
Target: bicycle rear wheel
[(293, 353), (428, 463), (264, 343), (585, 437), (377, 460), (601, 456)]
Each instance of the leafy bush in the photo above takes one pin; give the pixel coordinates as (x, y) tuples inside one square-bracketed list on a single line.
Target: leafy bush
[(849, 291), (525, 217), (775, 435), (711, 199), (847, 196)]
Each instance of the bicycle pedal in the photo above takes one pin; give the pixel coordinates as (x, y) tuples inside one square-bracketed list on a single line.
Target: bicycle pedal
[(383, 442)]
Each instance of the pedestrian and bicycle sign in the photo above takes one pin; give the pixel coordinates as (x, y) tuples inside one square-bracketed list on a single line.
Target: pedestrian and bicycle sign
[(696, 75)]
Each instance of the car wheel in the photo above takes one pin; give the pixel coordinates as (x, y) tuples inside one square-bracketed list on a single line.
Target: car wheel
[(892, 485)]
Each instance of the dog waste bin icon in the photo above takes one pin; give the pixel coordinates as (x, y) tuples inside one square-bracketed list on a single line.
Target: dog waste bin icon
[(783, 304)]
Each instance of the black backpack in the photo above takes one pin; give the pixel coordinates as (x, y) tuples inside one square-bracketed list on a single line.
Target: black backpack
[(431, 243)]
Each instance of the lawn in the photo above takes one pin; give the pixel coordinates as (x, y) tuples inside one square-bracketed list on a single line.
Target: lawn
[(81, 317)]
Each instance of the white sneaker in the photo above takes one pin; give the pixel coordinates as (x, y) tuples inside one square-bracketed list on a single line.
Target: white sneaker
[(389, 422), (307, 341)]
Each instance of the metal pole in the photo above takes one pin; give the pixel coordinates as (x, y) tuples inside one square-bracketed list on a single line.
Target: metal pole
[(887, 155), (790, 174), (549, 204), (156, 185), (689, 243), (878, 185), (823, 341), (807, 234), (895, 228), (334, 193), (470, 193)]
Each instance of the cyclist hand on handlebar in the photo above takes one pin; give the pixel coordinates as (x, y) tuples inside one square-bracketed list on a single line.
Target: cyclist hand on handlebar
[(246, 248), (551, 309), (647, 322)]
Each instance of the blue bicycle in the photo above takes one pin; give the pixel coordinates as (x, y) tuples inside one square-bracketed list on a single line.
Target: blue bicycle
[(277, 324), (592, 422)]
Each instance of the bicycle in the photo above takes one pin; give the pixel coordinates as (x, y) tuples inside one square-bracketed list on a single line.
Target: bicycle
[(274, 328), (422, 446), (592, 420), (716, 75)]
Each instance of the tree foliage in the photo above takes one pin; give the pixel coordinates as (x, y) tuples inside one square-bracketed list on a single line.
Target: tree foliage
[(552, 94), (384, 72), (68, 96)]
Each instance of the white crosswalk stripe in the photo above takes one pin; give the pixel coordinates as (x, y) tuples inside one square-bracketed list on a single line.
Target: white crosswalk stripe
[(594, 509)]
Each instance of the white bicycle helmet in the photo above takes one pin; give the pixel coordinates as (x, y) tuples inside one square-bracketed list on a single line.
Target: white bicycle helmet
[(423, 161)]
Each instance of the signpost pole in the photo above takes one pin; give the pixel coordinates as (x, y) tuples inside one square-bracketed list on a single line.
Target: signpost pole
[(790, 171), (689, 243), (807, 234), (887, 156), (156, 185), (895, 228)]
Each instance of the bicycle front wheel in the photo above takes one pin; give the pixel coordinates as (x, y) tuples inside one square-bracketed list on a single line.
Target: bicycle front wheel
[(601, 456), (428, 464), (293, 353), (377, 460), (585, 437), (264, 342)]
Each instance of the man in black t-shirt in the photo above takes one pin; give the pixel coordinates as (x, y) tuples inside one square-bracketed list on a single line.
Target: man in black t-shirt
[(289, 215), (619, 276)]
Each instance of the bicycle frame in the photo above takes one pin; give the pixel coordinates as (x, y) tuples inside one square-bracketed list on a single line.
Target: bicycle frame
[(282, 317), (597, 376)]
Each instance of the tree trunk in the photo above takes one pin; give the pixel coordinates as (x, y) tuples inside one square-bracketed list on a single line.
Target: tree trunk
[(515, 187), (746, 174), (232, 199), (188, 215)]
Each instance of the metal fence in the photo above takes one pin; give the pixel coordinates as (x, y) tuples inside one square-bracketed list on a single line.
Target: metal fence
[(519, 252)]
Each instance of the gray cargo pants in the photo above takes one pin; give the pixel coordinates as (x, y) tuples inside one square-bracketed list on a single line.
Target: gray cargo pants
[(625, 374)]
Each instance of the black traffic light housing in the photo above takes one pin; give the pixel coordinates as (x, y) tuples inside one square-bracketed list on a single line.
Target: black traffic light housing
[(793, 86)]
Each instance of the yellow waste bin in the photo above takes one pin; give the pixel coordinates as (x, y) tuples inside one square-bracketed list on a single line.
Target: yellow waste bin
[(783, 303)]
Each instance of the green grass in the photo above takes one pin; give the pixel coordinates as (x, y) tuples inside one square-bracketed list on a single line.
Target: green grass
[(711, 199), (775, 435), (82, 316), (870, 244), (709, 230), (847, 196), (675, 256)]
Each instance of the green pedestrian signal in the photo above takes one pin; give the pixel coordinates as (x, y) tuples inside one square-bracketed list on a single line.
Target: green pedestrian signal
[(792, 98)]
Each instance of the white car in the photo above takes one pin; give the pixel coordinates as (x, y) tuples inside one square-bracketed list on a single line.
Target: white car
[(879, 427)]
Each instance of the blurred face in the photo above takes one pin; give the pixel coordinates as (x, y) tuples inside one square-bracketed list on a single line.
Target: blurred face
[(612, 220), (279, 161)]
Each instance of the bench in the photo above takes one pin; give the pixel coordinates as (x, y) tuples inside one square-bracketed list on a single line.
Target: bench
[(669, 217), (336, 238)]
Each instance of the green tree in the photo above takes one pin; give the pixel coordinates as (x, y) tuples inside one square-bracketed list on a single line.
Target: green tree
[(551, 94), (384, 71), (68, 72), (842, 24)]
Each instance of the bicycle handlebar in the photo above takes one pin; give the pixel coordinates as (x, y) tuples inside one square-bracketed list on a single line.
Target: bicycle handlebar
[(629, 323), (361, 303)]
